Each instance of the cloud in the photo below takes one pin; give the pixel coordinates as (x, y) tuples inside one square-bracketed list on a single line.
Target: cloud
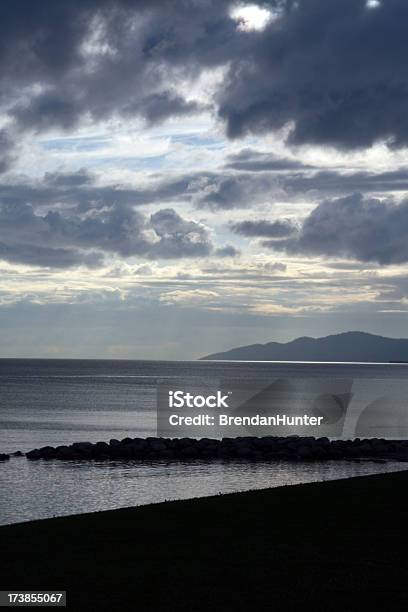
[(320, 68), (80, 178), (7, 151), (143, 270), (223, 192), (274, 266), (178, 237), (227, 251), (74, 239), (316, 66), (365, 229), (256, 161), (36, 255), (81, 189), (160, 106), (73, 59), (263, 228), (330, 181), (189, 297)]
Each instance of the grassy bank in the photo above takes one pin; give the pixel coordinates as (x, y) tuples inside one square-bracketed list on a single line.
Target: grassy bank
[(336, 545)]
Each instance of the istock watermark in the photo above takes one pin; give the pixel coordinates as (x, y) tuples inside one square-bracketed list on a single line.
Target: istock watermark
[(336, 408), (181, 399)]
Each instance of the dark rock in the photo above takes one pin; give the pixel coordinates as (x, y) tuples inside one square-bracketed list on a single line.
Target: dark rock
[(305, 453), (18, 454), (157, 445), (244, 452), (65, 452), (101, 450), (102, 445), (188, 452), (82, 445), (323, 441), (4, 456), (127, 441), (165, 454), (47, 452), (186, 442), (126, 451), (34, 454)]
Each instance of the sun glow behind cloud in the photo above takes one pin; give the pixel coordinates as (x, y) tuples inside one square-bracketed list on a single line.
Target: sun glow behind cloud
[(252, 17)]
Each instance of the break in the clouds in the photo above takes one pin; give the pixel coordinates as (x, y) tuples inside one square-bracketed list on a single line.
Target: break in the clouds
[(366, 229)]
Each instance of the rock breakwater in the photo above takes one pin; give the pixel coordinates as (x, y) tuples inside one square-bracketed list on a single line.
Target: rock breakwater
[(270, 448)]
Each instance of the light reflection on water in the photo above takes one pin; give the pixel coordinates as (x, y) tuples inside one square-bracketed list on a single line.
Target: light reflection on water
[(42, 489)]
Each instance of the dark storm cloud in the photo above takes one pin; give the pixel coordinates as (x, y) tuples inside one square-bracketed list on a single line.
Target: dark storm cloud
[(263, 228), (353, 227), (103, 58), (336, 70)]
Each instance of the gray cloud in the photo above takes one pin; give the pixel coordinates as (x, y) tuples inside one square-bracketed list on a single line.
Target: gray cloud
[(159, 106), (274, 266), (321, 66), (318, 66), (225, 192), (74, 238), (227, 251), (353, 227), (178, 237), (263, 228), (80, 178), (104, 58), (330, 181), (7, 150), (257, 161), (36, 255), (81, 190)]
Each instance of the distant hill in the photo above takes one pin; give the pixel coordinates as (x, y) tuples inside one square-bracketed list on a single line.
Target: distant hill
[(350, 346)]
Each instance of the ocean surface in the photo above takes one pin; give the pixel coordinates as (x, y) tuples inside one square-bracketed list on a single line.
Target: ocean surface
[(53, 402)]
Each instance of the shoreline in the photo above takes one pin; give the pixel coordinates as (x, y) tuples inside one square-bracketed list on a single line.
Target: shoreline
[(342, 543)]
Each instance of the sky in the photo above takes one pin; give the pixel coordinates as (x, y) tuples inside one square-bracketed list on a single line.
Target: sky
[(180, 177)]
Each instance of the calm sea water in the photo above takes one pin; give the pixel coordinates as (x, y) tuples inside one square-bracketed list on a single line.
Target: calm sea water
[(61, 401)]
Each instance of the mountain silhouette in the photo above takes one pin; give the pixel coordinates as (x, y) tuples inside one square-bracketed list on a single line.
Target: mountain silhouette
[(349, 346)]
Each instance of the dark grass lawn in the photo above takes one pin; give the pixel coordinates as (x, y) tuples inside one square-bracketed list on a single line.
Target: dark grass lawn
[(326, 546)]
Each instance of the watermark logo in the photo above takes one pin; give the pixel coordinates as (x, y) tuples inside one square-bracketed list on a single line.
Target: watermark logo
[(181, 399)]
